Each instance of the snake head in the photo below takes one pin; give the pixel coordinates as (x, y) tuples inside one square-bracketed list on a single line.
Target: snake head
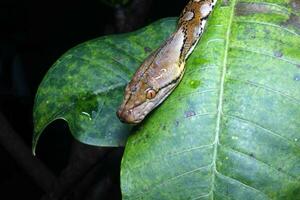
[(138, 101), (152, 83), (141, 98)]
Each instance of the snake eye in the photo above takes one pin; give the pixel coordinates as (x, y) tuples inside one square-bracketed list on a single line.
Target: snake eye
[(150, 94)]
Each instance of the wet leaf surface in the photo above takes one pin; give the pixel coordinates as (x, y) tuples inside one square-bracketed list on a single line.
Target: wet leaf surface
[(231, 129)]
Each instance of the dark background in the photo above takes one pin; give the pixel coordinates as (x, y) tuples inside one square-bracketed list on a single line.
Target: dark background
[(33, 35)]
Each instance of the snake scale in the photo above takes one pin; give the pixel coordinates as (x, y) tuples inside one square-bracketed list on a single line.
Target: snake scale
[(162, 71)]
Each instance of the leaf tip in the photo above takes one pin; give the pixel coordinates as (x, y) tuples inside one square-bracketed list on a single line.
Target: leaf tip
[(35, 139)]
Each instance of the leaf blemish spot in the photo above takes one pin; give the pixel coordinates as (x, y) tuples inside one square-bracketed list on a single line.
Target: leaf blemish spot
[(295, 4), (278, 54), (244, 8), (225, 3), (189, 114), (234, 137), (147, 49), (195, 84), (293, 20), (297, 77)]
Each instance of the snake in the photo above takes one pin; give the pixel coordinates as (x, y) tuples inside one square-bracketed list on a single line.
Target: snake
[(162, 70)]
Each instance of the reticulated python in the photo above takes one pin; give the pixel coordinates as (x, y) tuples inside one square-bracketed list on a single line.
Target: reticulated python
[(161, 72)]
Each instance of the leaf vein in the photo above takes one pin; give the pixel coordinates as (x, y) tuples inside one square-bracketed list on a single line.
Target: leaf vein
[(274, 5), (202, 196), (171, 154), (255, 124), (265, 54), (173, 178), (175, 98), (259, 161), (131, 70), (221, 95), (269, 24), (265, 87), (125, 78), (114, 59), (241, 183), (200, 69), (123, 51), (191, 149)]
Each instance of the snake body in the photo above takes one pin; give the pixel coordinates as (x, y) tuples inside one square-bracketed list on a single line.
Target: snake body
[(161, 72)]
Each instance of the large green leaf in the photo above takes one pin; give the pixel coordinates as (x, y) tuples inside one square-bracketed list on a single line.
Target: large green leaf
[(231, 130), (85, 86)]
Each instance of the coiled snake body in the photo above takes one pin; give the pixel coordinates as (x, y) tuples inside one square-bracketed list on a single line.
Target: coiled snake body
[(161, 72)]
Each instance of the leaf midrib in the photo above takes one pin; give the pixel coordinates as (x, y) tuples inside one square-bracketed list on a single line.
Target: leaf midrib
[(221, 95)]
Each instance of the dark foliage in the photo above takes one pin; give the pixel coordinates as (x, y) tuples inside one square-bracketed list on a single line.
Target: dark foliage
[(33, 35)]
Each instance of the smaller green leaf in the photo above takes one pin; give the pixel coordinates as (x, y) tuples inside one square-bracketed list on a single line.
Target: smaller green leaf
[(86, 85)]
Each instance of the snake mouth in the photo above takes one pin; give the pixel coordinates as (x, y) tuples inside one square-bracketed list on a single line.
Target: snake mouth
[(126, 117), (130, 116)]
